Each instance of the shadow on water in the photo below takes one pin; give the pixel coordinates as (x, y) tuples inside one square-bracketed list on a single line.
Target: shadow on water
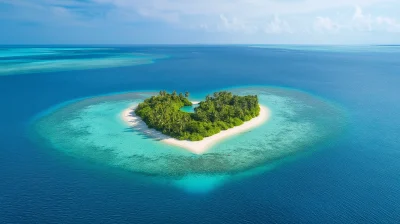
[(285, 136), (140, 128)]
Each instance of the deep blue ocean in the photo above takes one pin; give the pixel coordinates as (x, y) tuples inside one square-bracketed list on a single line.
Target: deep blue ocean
[(355, 179)]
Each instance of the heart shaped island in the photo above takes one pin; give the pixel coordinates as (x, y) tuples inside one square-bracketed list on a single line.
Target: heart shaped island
[(195, 126)]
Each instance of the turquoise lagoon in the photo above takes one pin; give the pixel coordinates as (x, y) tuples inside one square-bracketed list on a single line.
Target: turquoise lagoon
[(16, 61), (346, 172), (336, 48), (92, 129), (189, 109)]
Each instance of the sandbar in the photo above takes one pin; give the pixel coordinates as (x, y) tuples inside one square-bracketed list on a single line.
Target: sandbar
[(196, 147)]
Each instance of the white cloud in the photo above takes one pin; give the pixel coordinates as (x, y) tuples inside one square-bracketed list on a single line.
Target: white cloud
[(241, 8), (236, 14), (325, 24), (368, 22), (235, 25), (362, 22), (278, 26), (255, 18), (358, 22), (388, 24)]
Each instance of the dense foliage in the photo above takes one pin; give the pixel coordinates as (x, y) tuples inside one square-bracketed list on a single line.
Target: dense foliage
[(221, 111)]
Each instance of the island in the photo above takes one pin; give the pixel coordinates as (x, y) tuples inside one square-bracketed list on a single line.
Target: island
[(220, 115)]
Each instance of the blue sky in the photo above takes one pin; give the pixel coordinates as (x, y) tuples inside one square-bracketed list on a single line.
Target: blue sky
[(200, 22)]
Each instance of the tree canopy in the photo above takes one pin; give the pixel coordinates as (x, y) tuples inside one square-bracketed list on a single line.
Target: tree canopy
[(221, 111)]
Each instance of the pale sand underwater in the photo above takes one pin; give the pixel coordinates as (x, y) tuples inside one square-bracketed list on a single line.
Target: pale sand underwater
[(196, 147), (94, 129)]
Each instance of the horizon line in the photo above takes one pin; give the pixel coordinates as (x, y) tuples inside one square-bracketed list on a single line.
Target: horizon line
[(198, 44)]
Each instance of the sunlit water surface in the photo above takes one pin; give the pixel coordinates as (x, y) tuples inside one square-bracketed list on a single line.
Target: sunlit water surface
[(329, 154), (93, 129)]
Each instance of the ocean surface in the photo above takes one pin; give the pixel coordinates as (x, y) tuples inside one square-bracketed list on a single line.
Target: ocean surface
[(352, 175)]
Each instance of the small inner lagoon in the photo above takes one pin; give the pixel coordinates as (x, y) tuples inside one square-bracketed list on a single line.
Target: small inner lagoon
[(329, 152), (189, 109), (93, 129)]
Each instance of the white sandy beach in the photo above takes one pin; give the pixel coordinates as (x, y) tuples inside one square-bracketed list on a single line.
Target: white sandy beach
[(197, 147)]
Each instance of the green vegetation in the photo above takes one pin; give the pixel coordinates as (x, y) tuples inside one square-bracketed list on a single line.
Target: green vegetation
[(221, 111)]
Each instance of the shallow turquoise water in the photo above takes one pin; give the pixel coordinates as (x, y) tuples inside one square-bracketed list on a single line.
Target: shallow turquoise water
[(92, 129), (336, 48), (15, 61), (352, 178), (189, 109), (23, 52)]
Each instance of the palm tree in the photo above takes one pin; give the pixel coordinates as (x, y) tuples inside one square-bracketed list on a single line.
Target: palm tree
[(187, 94)]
